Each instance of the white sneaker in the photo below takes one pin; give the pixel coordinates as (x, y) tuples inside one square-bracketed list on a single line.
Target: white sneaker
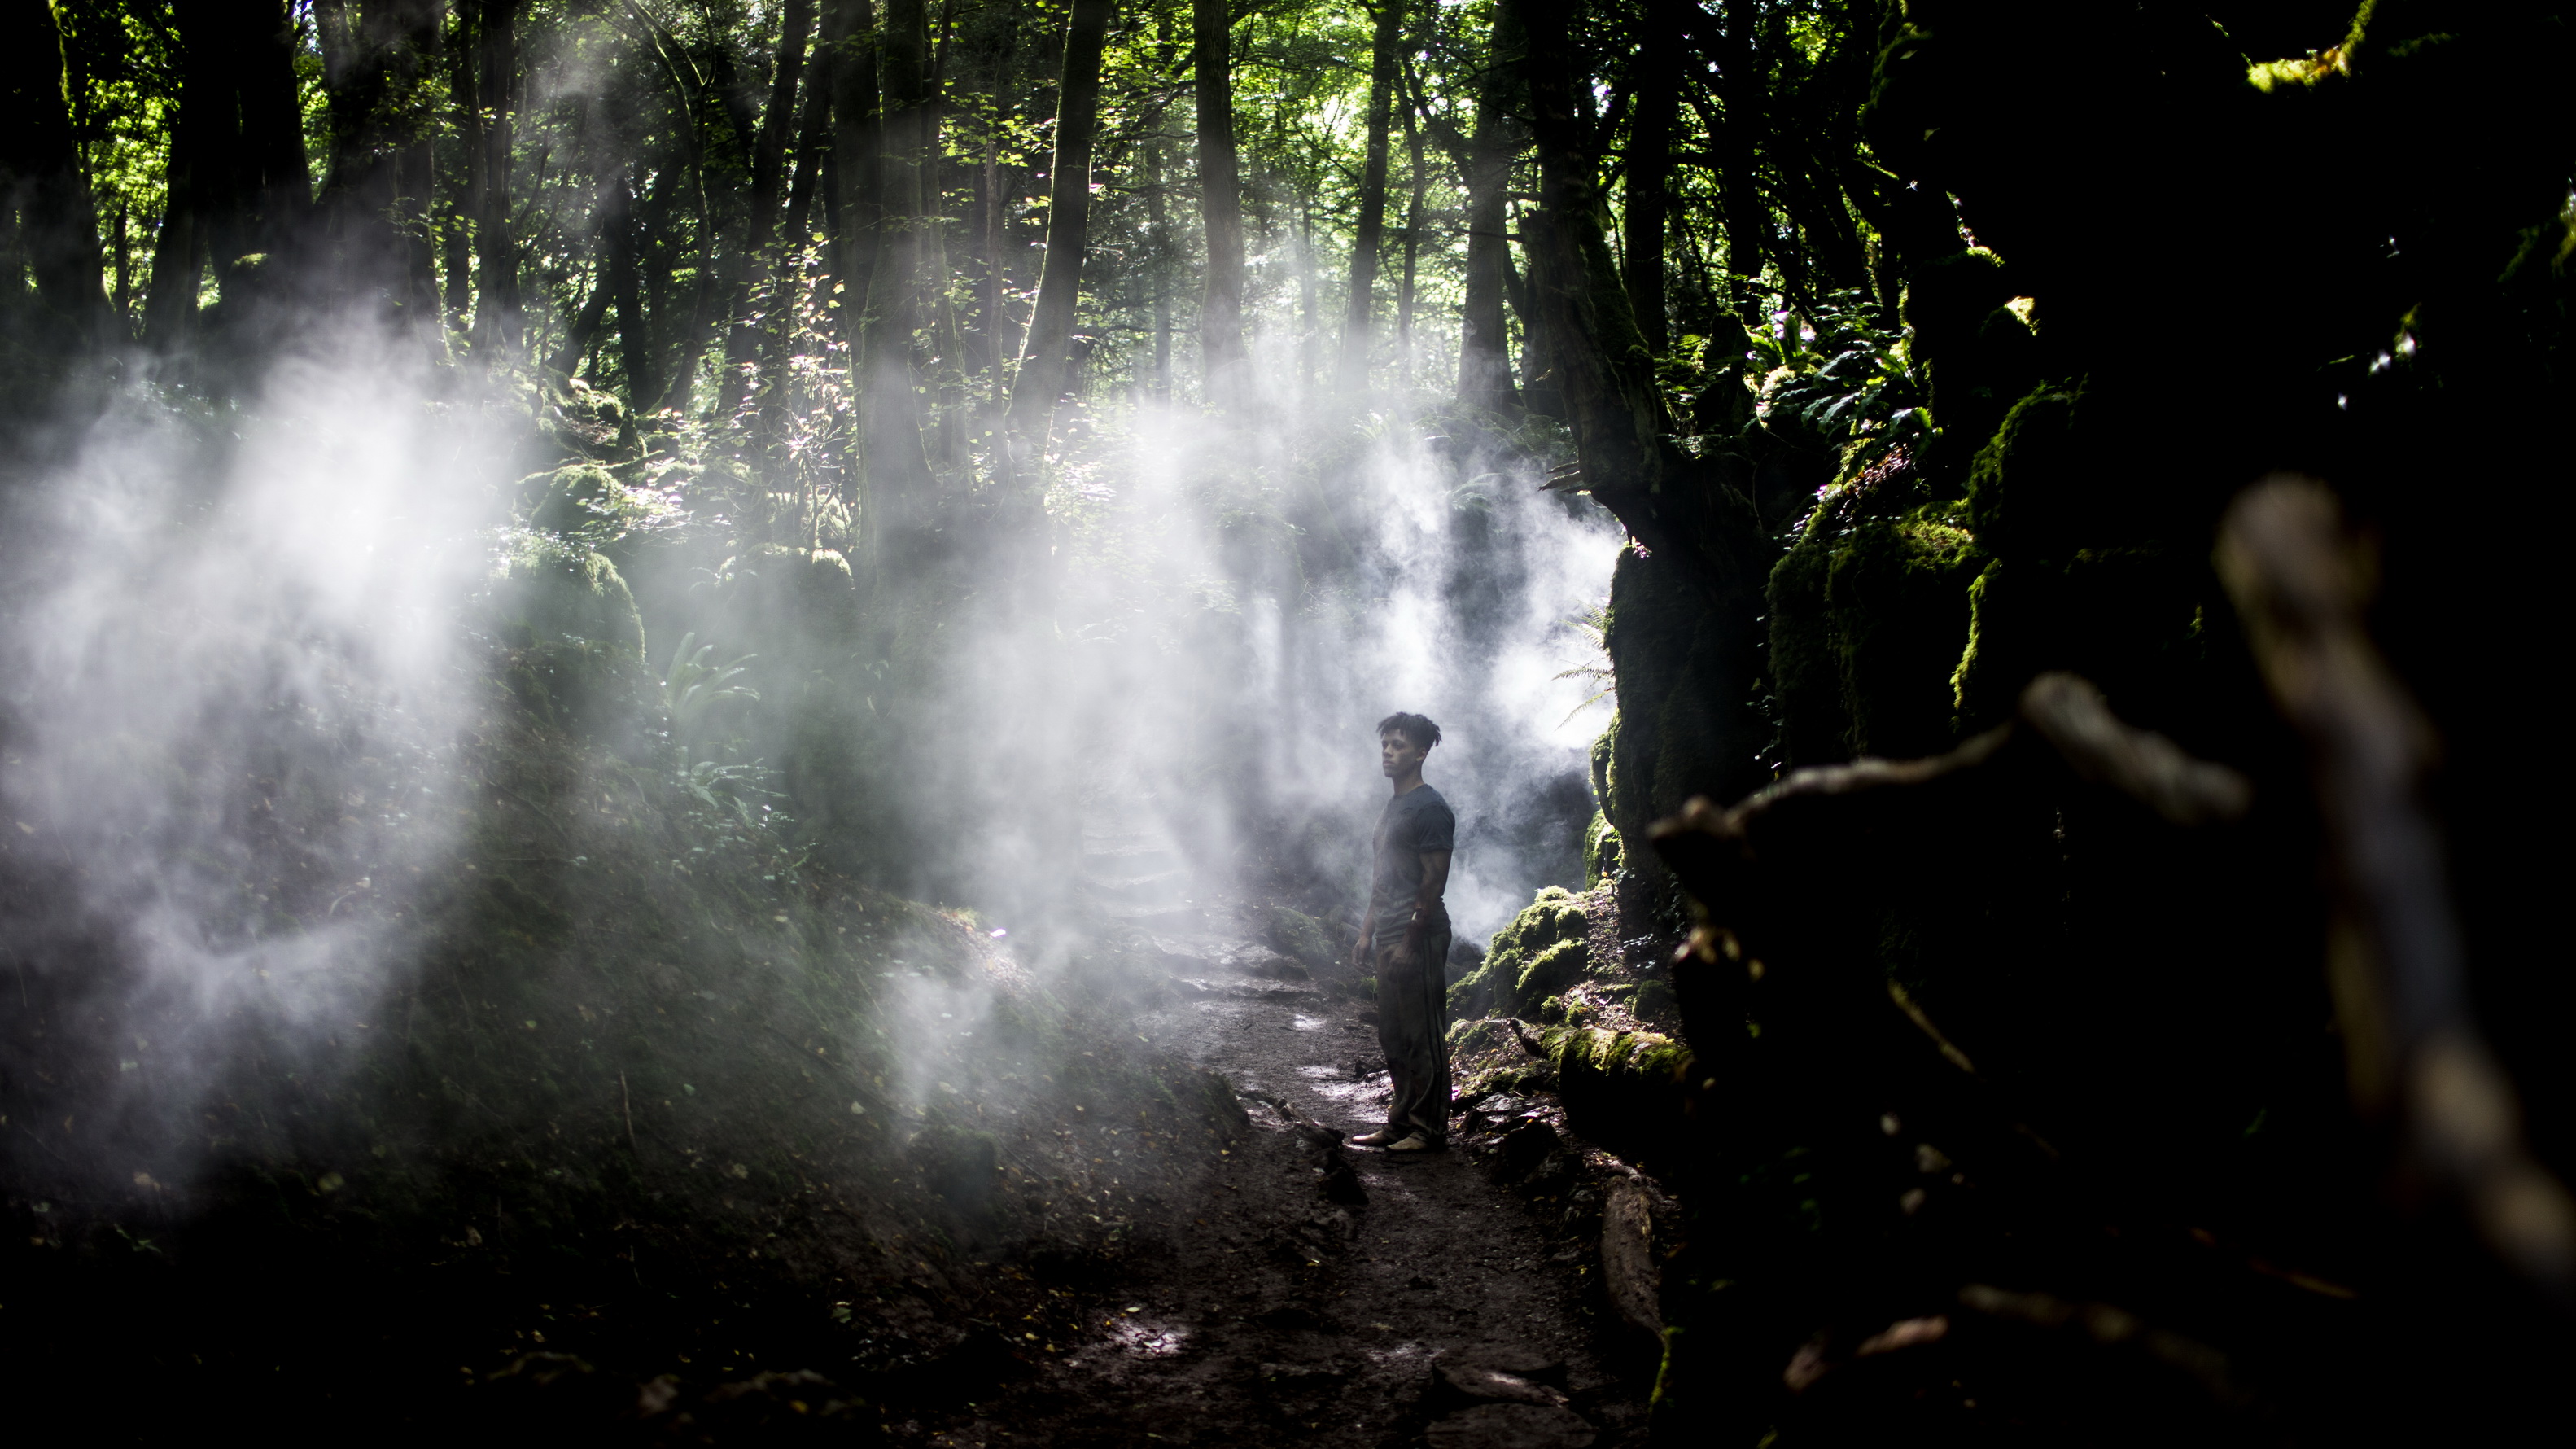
[(1414, 1142), (1379, 1138)]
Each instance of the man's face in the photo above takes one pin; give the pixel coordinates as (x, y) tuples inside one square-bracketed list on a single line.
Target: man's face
[(1398, 756)]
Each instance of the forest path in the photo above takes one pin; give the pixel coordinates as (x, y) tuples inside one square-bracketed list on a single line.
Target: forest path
[(1440, 1309)]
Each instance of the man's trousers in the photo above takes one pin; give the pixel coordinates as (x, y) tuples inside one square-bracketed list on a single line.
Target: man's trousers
[(1413, 1030)]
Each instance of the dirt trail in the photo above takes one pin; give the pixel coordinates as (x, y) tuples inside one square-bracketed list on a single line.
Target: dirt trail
[(1276, 1314)]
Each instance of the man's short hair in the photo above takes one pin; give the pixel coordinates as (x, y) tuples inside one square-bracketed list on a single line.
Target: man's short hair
[(1417, 731)]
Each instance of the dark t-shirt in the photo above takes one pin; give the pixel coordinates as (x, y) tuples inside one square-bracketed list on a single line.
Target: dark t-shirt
[(1415, 821)]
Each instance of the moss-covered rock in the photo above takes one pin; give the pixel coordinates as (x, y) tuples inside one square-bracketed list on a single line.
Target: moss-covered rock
[(810, 586), (1805, 679), (1542, 952), (1683, 726), (1896, 604), (1303, 937), (583, 501), (1654, 1001), (2130, 619), (587, 422), (1627, 1090), (1601, 850), (549, 591), (1946, 299), (1977, 354), (573, 641), (1868, 615)]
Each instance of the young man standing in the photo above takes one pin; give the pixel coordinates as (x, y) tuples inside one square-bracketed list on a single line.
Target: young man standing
[(1406, 935)]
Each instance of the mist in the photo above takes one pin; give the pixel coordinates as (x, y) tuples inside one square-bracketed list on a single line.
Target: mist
[(688, 706), (1225, 642)]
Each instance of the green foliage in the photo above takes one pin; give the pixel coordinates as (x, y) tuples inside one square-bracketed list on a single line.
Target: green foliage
[(693, 686), (1593, 625), (1850, 387)]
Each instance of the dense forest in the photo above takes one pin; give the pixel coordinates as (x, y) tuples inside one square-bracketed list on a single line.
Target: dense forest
[(688, 695)]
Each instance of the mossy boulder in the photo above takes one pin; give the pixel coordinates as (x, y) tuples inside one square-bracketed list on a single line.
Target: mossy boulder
[(2080, 465), (1627, 1090), (795, 600), (572, 639), (587, 422), (1683, 728), (1303, 937), (2132, 620), (582, 501), (1946, 299), (1977, 354), (1896, 606), (1868, 614), (1805, 678), (1654, 1001), (1542, 952), (547, 591)]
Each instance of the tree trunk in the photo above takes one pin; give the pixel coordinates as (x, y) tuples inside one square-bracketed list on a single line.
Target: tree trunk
[(1650, 164), (620, 276), (997, 328), (43, 182), (768, 186), (1158, 263), (1705, 552), (898, 494), (1599, 356), (1220, 204), (1046, 360), (205, 139), (1372, 228), (1310, 304), (813, 155), (1484, 341), (857, 210), (492, 35), (456, 263), (121, 299), (376, 57), (1412, 250), (1739, 85), (275, 178), (947, 330), (1544, 391)]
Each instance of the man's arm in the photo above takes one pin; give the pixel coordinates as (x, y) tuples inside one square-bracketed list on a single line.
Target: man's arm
[(1426, 905), (1361, 948)]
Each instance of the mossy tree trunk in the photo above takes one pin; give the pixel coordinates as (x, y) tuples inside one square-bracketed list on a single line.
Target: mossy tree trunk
[(1683, 636)]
